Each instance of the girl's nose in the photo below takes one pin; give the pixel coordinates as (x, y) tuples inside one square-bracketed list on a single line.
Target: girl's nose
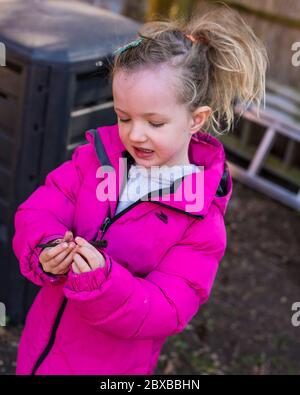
[(137, 136)]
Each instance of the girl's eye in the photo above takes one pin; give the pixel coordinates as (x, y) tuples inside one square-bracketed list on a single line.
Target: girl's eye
[(155, 125)]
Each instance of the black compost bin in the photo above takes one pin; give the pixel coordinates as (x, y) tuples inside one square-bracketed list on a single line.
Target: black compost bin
[(53, 88)]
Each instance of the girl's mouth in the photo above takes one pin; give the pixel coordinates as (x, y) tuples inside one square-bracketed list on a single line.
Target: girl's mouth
[(143, 153)]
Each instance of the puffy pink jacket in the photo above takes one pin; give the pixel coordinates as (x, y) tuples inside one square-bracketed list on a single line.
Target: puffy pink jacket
[(161, 261)]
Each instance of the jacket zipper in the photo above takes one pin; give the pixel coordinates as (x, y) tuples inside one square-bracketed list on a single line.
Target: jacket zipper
[(109, 221), (52, 337), (104, 227)]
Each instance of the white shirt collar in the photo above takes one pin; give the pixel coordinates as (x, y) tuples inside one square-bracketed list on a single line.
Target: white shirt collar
[(163, 173)]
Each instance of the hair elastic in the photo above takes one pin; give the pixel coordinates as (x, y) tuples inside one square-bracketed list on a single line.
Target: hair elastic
[(201, 39), (190, 37)]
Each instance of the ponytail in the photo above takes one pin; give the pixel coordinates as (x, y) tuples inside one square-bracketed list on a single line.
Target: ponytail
[(238, 62), (216, 57)]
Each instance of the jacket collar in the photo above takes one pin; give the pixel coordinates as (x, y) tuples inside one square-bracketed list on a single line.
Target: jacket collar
[(192, 194)]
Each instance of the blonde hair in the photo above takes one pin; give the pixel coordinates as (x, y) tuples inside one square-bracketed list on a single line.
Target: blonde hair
[(216, 58)]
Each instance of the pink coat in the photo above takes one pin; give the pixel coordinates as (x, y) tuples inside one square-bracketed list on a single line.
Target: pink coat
[(161, 261)]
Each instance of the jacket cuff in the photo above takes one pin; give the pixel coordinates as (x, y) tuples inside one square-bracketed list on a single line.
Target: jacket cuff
[(89, 281)]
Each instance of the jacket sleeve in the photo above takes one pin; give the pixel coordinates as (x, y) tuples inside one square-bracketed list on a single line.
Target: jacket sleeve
[(162, 303), (47, 214)]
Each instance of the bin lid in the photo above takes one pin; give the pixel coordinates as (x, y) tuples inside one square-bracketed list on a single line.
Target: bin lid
[(62, 31)]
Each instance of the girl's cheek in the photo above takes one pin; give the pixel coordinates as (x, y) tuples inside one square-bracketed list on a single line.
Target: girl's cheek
[(123, 135)]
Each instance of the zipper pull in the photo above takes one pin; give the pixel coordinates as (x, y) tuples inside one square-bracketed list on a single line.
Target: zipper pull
[(105, 224)]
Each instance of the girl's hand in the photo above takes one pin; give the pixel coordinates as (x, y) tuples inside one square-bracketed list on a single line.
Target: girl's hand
[(56, 260), (93, 258)]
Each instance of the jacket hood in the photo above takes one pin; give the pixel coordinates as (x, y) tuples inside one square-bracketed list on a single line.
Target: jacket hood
[(194, 193)]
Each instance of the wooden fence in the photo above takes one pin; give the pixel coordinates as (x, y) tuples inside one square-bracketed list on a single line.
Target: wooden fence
[(275, 22)]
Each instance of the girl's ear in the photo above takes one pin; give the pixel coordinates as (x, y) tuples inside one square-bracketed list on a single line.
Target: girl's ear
[(199, 117)]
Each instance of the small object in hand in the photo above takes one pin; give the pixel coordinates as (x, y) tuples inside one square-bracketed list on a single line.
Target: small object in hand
[(48, 244), (98, 243)]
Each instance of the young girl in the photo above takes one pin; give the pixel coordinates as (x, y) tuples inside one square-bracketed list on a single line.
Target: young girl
[(135, 266)]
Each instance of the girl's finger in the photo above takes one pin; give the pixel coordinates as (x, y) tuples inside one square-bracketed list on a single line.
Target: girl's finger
[(81, 263), (84, 243), (60, 272), (92, 258), (75, 268), (96, 260), (68, 236), (51, 252), (65, 263), (59, 259)]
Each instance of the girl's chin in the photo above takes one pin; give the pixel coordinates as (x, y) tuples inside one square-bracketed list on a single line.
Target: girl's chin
[(145, 163)]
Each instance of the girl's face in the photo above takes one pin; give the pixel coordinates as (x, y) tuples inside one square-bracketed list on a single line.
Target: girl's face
[(149, 117)]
